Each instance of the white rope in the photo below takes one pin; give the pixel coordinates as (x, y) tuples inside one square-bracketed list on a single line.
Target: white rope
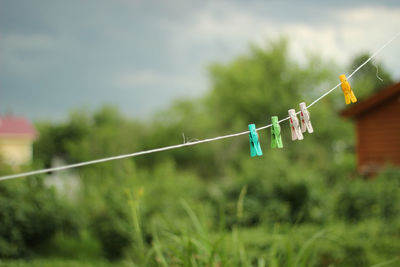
[(76, 165), (374, 54), (357, 69)]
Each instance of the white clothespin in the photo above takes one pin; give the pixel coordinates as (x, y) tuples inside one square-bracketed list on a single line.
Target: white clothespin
[(305, 118), (294, 125)]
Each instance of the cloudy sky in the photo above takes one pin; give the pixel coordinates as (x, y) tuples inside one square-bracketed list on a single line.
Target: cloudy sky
[(140, 55)]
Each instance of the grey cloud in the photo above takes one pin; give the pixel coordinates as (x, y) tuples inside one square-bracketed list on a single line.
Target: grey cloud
[(57, 55)]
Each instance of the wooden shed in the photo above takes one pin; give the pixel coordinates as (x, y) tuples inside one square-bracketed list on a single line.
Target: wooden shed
[(377, 122)]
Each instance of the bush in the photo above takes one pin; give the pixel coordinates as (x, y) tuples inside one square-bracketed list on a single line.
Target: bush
[(30, 215), (113, 232), (358, 199), (112, 227)]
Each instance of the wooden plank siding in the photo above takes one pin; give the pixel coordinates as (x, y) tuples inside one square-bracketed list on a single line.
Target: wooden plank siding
[(377, 130), (378, 137)]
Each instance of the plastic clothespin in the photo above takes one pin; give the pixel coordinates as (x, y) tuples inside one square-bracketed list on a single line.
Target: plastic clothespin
[(305, 118), (294, 125), (348, 93), (255, 148), (276, 139)]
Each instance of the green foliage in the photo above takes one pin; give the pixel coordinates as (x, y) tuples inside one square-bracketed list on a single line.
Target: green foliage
[(55, 140), (30, 216), (113, 229), (60, 263), (84, 137), (370, 199)]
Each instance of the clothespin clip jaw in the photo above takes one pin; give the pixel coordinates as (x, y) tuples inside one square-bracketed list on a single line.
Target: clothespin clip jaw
[(255, 148), (276, 138), (349, 96), (294, 125), (305, 119)]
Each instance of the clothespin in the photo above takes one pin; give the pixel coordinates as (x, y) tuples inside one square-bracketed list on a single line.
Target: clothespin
[(294, 125), (276, 139), (305, 118), (255, 148), (348, 93)]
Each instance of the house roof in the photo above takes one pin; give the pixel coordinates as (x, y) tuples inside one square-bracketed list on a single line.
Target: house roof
[(375, 100), (12, 125)]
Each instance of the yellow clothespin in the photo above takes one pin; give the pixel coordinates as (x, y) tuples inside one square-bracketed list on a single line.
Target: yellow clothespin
[(348, 93)]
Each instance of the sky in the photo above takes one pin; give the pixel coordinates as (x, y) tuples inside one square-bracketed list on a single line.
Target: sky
[(56, 55)]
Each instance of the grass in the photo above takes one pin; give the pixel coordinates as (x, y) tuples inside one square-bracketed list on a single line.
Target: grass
[(197, 245), (194, 240), (49, 262)]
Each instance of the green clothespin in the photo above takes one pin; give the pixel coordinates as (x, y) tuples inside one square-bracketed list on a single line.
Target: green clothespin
[(255, 148), (276, 139)]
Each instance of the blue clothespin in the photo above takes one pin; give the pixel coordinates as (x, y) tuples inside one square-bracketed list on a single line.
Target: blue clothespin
[(255, 148)]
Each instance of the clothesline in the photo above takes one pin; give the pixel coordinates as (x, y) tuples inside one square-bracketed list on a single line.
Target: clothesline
[(135, 154)]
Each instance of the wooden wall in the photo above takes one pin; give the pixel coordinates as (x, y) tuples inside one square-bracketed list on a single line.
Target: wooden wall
[(378, 136)]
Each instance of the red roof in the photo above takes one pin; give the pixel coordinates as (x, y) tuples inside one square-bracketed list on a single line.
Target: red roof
[(373, 101), (11, 125)]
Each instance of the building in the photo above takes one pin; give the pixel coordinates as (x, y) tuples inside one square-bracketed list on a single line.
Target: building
[(16, 137), (377, 121)]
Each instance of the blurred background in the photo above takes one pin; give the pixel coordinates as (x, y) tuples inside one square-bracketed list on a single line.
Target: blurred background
[(81, 80)]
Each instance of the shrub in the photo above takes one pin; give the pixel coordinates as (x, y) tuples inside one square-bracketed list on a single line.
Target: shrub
[(358, 199), (110, 224), (30, 215)]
